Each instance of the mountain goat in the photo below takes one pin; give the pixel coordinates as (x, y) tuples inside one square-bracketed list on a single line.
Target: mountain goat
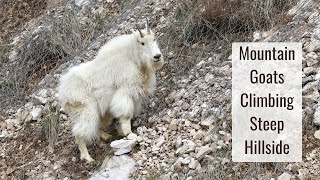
[(113, 85)]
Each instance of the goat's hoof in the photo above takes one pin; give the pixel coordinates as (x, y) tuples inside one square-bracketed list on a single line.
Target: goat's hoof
[(124, 132), (87, 158), (104, 136)]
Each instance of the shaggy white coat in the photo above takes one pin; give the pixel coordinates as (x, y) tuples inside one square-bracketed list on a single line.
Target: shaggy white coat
[(114, 84)]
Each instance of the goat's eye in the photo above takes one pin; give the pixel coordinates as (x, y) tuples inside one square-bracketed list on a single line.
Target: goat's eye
[(142, 43)]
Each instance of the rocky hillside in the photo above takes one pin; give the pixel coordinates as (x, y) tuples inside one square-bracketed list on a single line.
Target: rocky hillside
[(184, 130)]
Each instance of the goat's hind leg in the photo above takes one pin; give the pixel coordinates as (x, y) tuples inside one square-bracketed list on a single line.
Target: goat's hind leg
[(86, 129), (84, 154)]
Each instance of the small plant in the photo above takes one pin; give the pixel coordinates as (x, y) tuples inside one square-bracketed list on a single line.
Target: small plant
[(4, 52), (170, 82), (226, 54), (50, 127), (99, 21), (155, 175), (123, 3), (27, 125)]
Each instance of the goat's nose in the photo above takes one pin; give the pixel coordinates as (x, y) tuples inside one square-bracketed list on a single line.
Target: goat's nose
[(157, 56)]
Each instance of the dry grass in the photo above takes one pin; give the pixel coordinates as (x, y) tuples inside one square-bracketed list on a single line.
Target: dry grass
[(59, 40), (44, 50), (73, 34)]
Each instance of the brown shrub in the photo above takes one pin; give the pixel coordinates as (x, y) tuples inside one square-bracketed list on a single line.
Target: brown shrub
[(206, 27), (241, 16)]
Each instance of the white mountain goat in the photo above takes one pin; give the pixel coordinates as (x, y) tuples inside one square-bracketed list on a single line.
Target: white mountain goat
[(113, 85)]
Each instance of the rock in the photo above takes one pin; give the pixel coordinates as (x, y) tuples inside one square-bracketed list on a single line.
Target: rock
[(10, 170), (294, 168), (198, 135), (207, 122), (313, 46), (81, 3), (4, 133), (317, 76), (284, 176), (177, 167), (204, 150), (13, 55), (3, 125), (167, 119), (123, 146), (12, 123), (43, 93), (178, 142), (317, 134), (173, 126), (257, 36), (186, 160), (110, 1), (193, 133), (132, 136), (115, 168), (188, 146), (36, 113), (160, 141), (209, 78), (40, 100), (46, 176), (22, 115), (316, 116), (185, 106), (308, 70), (193, 163)]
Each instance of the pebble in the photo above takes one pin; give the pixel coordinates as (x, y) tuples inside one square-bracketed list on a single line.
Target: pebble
[(204, 150), (284, 176), (317, 134), (173, 126), (193, 163)]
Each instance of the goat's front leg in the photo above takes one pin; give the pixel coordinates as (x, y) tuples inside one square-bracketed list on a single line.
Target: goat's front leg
[(124, 127), (122, 107)]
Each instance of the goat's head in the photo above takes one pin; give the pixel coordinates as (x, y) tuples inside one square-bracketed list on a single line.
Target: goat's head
[(147, 45)]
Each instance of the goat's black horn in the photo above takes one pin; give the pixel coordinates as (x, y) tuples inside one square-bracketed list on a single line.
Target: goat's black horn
[(139, 31)]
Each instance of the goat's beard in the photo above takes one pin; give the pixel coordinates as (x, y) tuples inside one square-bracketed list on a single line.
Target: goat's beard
[(157, 64)]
